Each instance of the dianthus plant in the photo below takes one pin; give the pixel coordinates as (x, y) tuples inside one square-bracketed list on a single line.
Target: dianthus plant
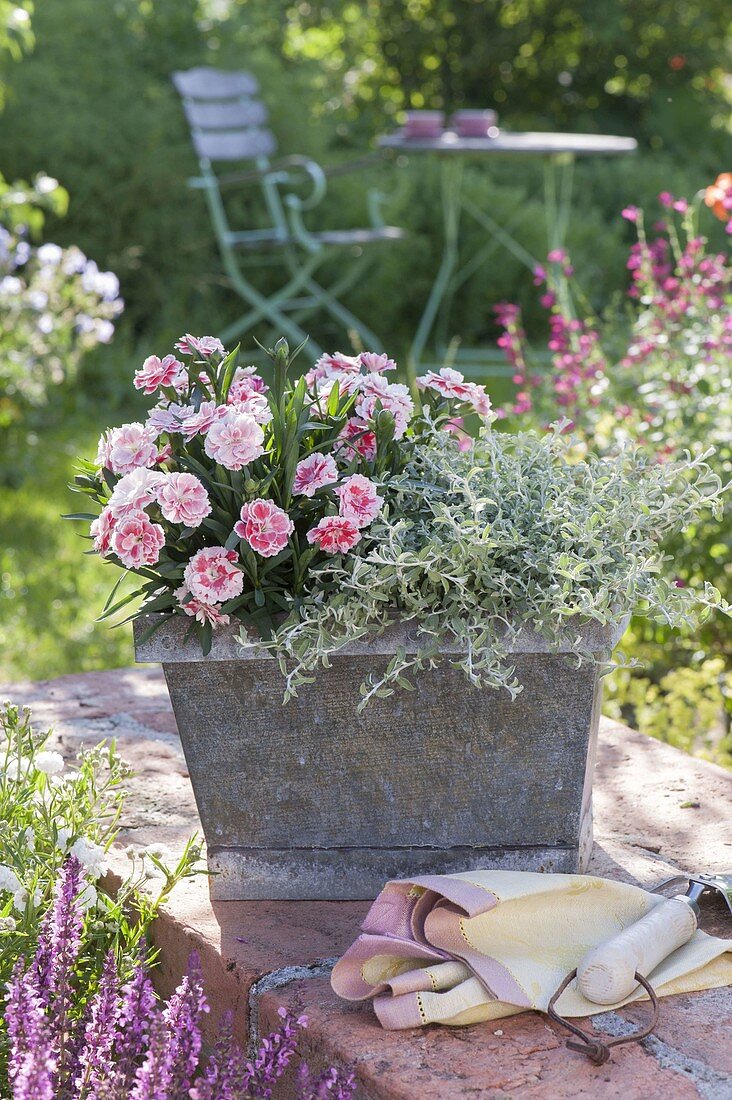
[(318, 512), (231, 496)]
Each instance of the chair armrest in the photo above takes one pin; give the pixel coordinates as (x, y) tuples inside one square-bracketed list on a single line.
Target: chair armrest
[(316, 176), (351, 166)]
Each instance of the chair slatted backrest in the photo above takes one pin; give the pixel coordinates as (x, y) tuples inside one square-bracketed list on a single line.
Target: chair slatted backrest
[(226, 117)]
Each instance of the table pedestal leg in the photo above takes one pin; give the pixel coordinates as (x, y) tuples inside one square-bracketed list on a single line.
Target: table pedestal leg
[(450, 183)]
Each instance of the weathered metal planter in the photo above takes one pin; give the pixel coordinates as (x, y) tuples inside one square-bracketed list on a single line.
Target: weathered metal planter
[(312, 800)]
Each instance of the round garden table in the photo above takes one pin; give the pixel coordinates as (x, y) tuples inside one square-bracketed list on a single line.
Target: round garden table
[(558, 150)]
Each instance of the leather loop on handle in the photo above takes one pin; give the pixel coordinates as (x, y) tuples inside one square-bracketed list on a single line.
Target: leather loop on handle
[(595, 1047), (608, 974)]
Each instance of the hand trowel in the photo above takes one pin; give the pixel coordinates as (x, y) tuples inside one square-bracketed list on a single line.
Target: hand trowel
[(608, 973)]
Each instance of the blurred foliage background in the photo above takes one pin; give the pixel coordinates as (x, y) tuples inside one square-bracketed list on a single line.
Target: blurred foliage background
[(92, 105), (86, 98)]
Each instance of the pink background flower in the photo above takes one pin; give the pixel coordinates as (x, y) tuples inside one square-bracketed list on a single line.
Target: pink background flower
[(265, 527), (124, 449), (313, 473), (212, 577), (156, 372), (359, 500), (183, 499), (334, 535), (137, 541), (235, 440)]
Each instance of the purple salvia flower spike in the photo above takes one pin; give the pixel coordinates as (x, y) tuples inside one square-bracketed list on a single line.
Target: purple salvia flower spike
[(274, 1056), (31, 1062), (136, 1012), (17, 1015), (225, 1075), (152, 1079), (183, 1020), (41, 969), (65, 942), (96, 1058), (333, 1084)]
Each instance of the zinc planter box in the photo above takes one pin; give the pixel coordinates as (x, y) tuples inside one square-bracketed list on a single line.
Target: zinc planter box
[(312, 800)]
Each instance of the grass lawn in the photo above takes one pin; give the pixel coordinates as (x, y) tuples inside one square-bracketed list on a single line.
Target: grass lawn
[(50, 593)]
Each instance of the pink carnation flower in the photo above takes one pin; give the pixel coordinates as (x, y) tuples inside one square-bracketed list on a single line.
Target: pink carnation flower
[(244, 383), (198, 423), (265, 527), (134, 492), (183, 499), (158, 372), (200, 345), (313, 473), (393, 397), (235, 440), (123, 449), (375, 363), (357, 438), (455, 427), (202, 612), (329, 365), (169, 418), (102, 530), (359, 500), (451, 384), (255, 405), (335, 534), (137, 541), (212, 576)]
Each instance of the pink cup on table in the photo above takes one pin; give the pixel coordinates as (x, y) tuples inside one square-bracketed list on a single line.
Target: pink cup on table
[(424, 124), (469, 123)]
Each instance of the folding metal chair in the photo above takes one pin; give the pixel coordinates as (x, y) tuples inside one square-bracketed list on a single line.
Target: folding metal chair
[(228, 123)]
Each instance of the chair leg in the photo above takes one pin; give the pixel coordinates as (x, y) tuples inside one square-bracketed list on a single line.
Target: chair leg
[(268, 308), (329, 301)]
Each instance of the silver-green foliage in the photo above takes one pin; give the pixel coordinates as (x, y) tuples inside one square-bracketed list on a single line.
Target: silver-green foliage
[(518, 532)]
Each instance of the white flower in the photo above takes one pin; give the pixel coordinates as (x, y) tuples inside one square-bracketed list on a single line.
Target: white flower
[(17, 768), (8, 924), (159, 851), (8, 879), (91, 855), (50, 254), (50, 763), (21, 898), (63, 836), (88, 897)]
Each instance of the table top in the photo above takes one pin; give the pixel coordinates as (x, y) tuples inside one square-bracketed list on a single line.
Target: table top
[(539, 143)]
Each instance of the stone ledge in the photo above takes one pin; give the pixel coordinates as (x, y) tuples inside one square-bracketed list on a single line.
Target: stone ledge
[(258, 955)]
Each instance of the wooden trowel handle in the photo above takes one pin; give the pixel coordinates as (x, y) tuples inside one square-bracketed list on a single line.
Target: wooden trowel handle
[(607, 974)]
